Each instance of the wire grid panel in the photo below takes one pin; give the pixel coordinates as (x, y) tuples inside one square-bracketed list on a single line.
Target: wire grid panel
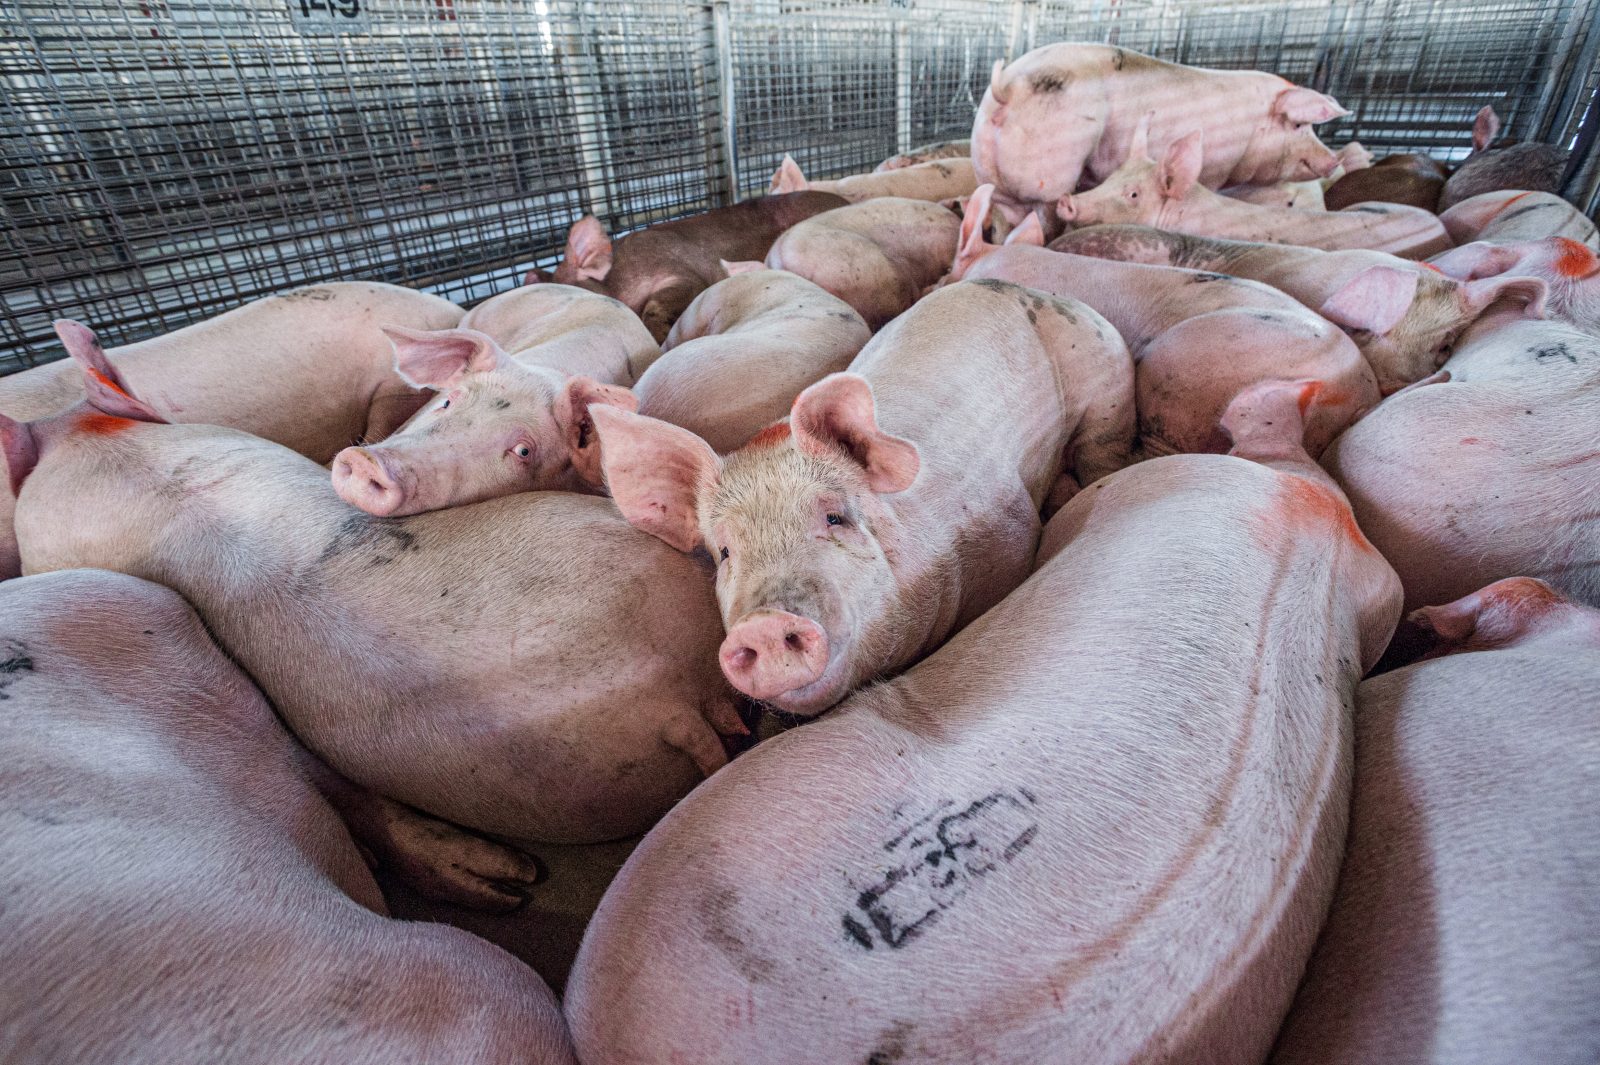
[(162, 160)]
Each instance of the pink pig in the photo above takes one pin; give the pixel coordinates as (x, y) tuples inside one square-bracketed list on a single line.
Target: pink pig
[(1198, 338), (1464, 929), (1064, 837), (1168, 195), (935, 179), (1067, 114), (514, 383), (1507, 217), (1569, 268), (899, 501)]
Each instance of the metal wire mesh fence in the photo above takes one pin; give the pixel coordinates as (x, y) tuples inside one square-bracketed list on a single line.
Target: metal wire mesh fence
[(163, 160)]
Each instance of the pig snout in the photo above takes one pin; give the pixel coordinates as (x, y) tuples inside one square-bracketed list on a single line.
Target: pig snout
[(773, 652), (365, 480)]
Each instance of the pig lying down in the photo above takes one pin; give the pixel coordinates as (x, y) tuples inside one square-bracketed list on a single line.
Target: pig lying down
[(1569, 268), (1539, 167), (935, 179), (1055, 840), (404, 651), (1066, 114), (1508, 217), (1465, 929), (177, 893), (512, 384), (927, 153), (899, 501)]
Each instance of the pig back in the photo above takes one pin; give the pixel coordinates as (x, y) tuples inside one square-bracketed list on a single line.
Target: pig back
[(569, 329), (1085, 839)]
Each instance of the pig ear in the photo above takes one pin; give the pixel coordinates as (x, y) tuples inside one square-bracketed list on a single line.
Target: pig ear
[(1031, 231), (1181, 168), (1480, 295), (1300, 106), (1139, 145), (85, 349), (1375, 300), (577, 427), (1478, 259), (971, 246), (440, 358), (589, 249), (744, 267), (837, 413), (1484, 129), (656, 472), (997, 86), (103, 386), (1354, 156), (788, 178), (20, 449), (537, 276)]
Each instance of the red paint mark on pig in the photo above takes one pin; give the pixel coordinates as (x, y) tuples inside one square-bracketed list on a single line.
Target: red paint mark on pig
[(103, 424), (1513, 200), (1576, 260), (1432, 267), (1469, 440), (771, 436), (1305, 502), (108, 382)]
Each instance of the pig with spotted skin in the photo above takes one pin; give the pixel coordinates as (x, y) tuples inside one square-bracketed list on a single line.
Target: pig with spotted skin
[(658, 271), (513, 384), (935, 180), (899, 501), (1168, 195), (742, 352), (1509, 217), (1066, 115), (878, 256), (1569, 268), (1539, 167), (146, 775), (1465, 929), (310, 369), (1491, 472), (405, 652), (1198, 338), (1055, 840), (1404, 316)]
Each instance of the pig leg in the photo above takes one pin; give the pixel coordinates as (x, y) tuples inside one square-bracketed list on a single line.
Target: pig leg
[(695, 738)]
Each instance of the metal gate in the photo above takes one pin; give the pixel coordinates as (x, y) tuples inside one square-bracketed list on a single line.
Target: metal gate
[(164, 160)]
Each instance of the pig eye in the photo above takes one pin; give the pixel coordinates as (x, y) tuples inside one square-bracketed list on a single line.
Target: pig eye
[(722, 554), (835, 519), (522, 451), (445, 405), (1133, 194)]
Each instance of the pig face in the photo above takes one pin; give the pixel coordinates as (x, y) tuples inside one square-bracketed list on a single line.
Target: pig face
[(804, 541), (1569, 267), (1141, 191), (495, 427), (1292, 148)]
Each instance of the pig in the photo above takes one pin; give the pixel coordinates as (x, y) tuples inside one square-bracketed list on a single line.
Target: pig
[(927, 153), (1299, 195), (1491, 472), (1465, 928), (1167, 195), (1060, 839), (176, 890), (899, 500), (309, 369), (528, 667), (743, 351), (513, 384), (656, 272), (1410, 179), (877, 256), (1066, 114), (1570, 269), (1198, 338), (935, 180), (1510, 217), (1404, 316), (1539, 167)]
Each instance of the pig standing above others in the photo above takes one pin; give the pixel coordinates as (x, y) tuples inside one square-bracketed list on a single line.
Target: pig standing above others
[(1403, 316), (1493, 473), (1507, 217), (1538, 167), (1066, 837), (176, 891), (899, 501), (878, 256), (309, 369), (1198, 339), (1414, 180), (743, 351), (927, 153), (1064, 116), (513, 385), (1571, 269), (529, 667), (1168, 195), (658, 271), (938, 179), (1465, 929)]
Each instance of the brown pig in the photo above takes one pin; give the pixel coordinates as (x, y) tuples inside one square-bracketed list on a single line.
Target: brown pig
[(1411, 179), (1539, 167)]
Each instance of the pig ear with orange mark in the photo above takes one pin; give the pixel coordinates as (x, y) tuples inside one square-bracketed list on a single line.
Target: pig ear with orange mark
[(1181, 168), (656, 473), (838, 414), (440, 358), (103, 386), (1307, 106), (1499, 614), (971, 246), (1479, 296), (788, 178), (20, 449), (1484, 129), (577, 427), (1375, 300), (588, 252)]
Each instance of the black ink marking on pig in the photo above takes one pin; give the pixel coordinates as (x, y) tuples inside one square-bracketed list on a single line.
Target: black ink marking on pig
[(1554, 351), (386, 539), (891, 1045), (994, 284), (502, 404), (1118, 59), (322, 295), (1033, 316), (1364, 208), (1048, 81), (1207, 276), (1507, 216), (937, 859), (16, 662)]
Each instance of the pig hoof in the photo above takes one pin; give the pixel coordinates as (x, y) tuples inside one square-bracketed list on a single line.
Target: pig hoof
[(449, 864)]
